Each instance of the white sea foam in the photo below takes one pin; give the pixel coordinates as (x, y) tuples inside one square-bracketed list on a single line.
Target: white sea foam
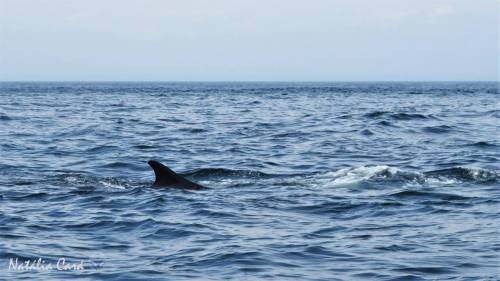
[(440, 181), (71, 179), (355, 175), (112, 184)]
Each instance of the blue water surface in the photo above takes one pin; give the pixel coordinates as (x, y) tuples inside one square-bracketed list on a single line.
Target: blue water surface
[(308, 181)]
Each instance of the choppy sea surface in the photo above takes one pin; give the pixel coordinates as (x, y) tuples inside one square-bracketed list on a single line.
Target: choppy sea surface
[(308, 181)]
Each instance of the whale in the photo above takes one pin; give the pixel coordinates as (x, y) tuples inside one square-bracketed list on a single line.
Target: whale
[(165, 177)]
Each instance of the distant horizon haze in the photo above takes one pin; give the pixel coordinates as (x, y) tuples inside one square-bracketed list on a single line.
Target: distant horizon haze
[(248, 41)]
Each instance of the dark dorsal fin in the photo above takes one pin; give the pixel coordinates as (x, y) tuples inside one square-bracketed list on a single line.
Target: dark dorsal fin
[(166, 177)]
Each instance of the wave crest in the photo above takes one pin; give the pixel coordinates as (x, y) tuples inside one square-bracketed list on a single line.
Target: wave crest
[(221, 172), (384, 173)]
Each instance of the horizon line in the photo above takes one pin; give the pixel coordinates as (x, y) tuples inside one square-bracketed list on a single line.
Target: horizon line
[(247, 81)]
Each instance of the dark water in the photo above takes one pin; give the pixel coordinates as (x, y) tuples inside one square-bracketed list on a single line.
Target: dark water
[(309, 181)]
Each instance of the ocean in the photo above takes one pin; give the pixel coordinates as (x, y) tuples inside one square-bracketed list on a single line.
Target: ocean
[(307, 181)]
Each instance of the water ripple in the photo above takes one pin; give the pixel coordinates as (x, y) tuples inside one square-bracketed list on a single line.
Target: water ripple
[(308, 181)]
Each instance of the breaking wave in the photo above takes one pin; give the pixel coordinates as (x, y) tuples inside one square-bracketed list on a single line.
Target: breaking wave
[(383, 173)]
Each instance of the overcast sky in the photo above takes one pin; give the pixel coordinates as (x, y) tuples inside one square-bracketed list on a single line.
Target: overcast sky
[(316, 40)]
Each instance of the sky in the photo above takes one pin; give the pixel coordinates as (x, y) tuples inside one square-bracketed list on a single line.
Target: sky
[(249, 40)]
